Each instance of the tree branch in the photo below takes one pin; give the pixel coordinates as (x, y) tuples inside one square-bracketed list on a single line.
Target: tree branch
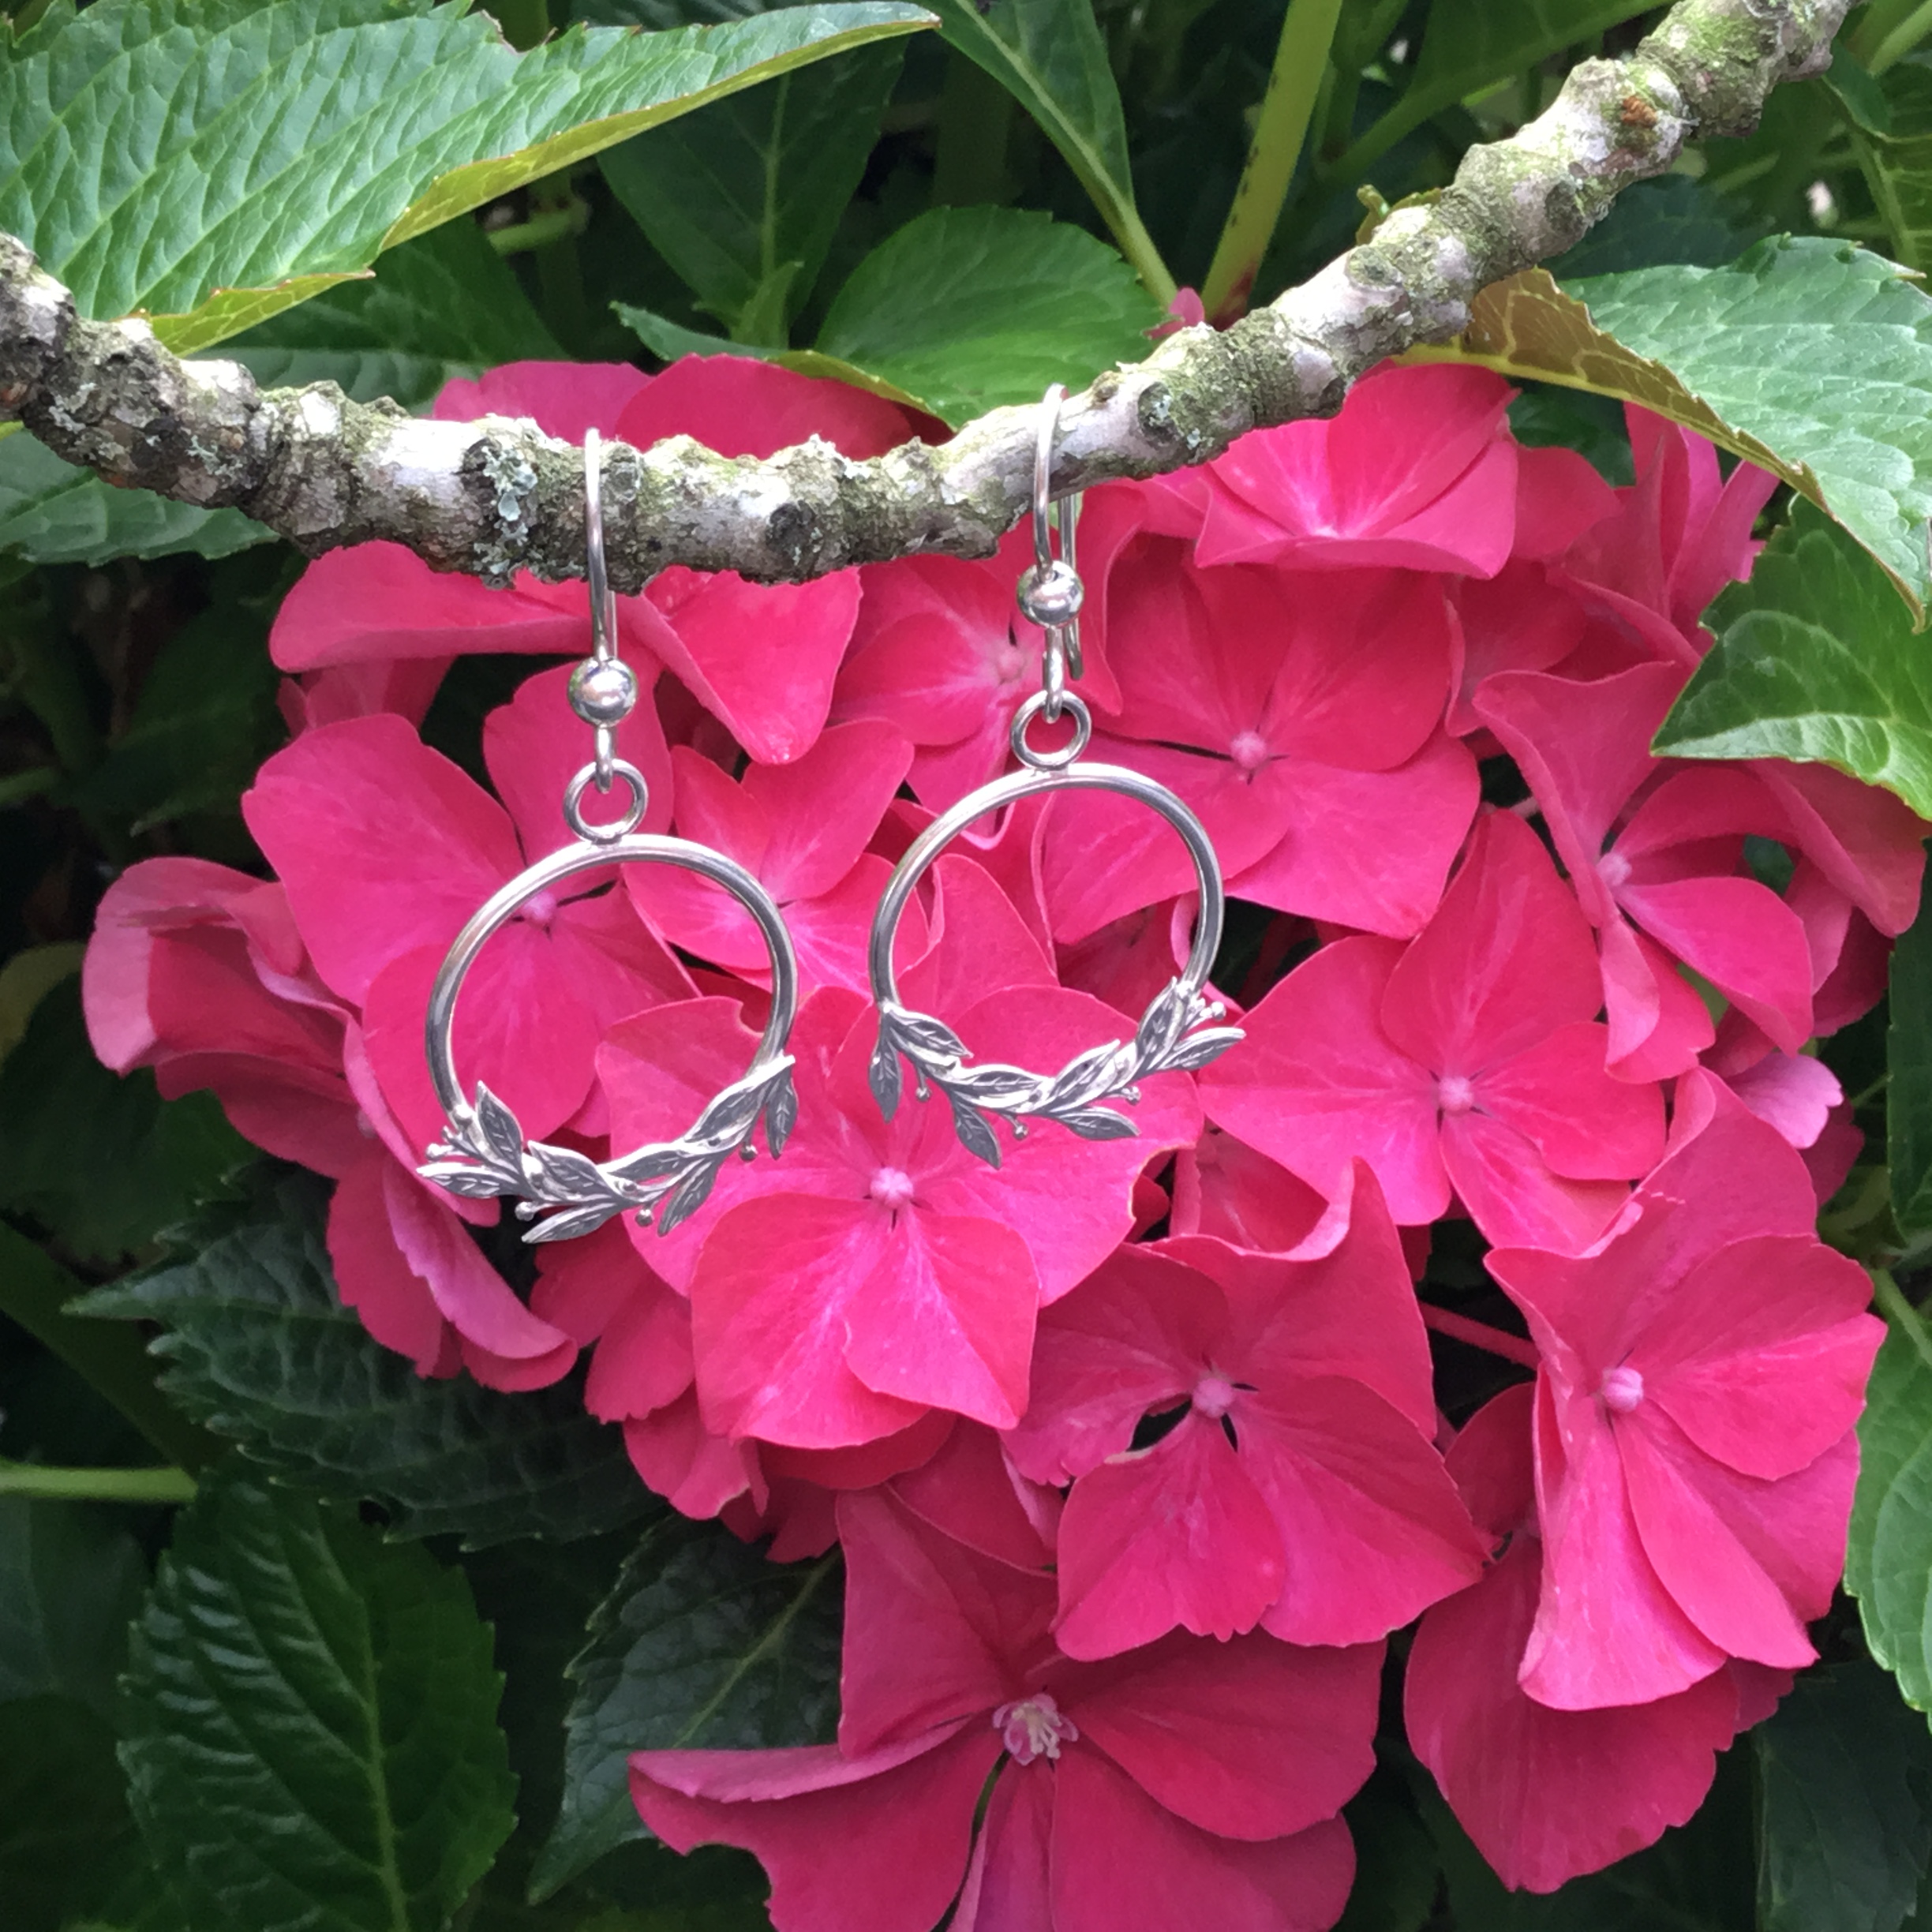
[(492, 497)]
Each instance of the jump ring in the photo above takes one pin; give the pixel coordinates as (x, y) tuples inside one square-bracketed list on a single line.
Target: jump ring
[(626, 822), (1041, 704)]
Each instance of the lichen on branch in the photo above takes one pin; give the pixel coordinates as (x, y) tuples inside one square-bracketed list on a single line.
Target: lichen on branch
[(495, 496)]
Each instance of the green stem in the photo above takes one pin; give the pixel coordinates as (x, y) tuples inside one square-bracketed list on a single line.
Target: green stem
[(1301, 59), (1890, 30), (111, 1356), (1900, 1313), (1902, 39), (95, 1485), (540, 230)]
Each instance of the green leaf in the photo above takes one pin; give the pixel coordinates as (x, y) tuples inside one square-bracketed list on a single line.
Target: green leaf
[(1908, 1093), (1467, 49), (742, 197), (1889, 1553), (260, 1350), (1397, 1870), (538, 1598), (1844, 1781), (1052, 57), (312, 1738), (214, 162), (70, 1579), (103, 1163), (35, 1292), (1673, 220), (1815, 660), (443, 305), (702, 1645), (206, 715), (970, 308), (1891, 121), (52, 513), (1812, 358), (65, 1834), (668, 340)]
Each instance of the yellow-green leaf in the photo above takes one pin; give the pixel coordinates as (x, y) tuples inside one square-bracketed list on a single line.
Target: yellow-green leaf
[(1810, 357), (211, 162)]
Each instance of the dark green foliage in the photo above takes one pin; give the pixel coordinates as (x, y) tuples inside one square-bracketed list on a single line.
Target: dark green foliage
[(311, 1737), (701, 1644), (102, 1163), (70, 1577), (1845, 1817), (259, 1350)]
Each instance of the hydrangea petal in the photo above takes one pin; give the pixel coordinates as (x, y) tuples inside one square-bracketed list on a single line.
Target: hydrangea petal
[(1317, 1083), (1547, 1795), (1175, 1535), (1249, 1739), (1122, 1864), (825, 1827), (1372, 1526), (1607, 1632)]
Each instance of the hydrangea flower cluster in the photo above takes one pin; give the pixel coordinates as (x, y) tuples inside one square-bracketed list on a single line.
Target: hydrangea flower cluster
[(1132, 1447)]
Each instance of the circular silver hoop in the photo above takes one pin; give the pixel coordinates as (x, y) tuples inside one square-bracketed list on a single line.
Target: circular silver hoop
[(483, 1152), (1173, 1034)]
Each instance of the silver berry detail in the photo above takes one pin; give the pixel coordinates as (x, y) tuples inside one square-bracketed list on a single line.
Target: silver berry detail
[(603, 694), (1052, 596)]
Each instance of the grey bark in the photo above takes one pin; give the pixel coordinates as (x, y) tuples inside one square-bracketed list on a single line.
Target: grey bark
[(495, 496)]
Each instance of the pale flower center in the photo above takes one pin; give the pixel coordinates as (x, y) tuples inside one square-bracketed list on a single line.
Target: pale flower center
[(1623, 1389), (540, 909), (1613, 869), (892, 1187), (1249, 752), (1455, 1093), (1033, 1728), (1009, 662), (1214, 1396)]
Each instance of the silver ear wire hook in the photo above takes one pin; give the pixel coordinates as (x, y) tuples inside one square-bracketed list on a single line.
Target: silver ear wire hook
[(603, 690), (484, 1151), (1176, 1033), (1050, 592)]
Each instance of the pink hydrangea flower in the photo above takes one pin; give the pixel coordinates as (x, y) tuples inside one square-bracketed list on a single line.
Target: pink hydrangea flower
[(1417, 471), (385, 849), (1127, 1795), (1470, 1059), (1300, 1491), (1547, 1795), (1672, 541), (802, 830), (878, 1268), (1702, 1367), (1300, 717)]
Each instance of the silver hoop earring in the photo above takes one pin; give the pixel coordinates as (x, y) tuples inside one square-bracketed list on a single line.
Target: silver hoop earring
[(1173, 1034), (483, 1152)]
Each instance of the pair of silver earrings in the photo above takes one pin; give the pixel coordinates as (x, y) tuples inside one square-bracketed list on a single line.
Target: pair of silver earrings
[(484, 1152)]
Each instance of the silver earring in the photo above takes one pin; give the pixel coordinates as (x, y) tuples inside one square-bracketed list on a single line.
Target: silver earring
[(483, 1152), (1173, 1034)]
